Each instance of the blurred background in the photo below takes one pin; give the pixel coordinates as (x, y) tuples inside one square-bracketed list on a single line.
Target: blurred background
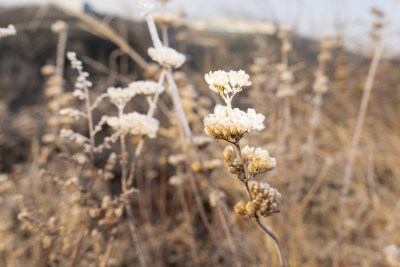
[(311, 63)]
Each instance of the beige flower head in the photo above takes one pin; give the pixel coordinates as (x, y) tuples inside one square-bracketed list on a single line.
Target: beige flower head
[(227, 84), (265, 201), (231, 124), (166, 56)]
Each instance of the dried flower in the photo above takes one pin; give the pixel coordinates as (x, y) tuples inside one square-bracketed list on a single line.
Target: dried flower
[(134, 123), (166, 56), (120, 96), (73, 136), (72, 113), (227, 84), (59, 26), (231, 124), (146, 87), (258, 160), (265, 201)]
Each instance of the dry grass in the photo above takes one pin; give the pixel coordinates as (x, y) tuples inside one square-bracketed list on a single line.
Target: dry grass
[(169, 201)]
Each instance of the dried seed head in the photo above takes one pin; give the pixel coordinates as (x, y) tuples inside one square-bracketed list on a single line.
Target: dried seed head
[(265, 203), (258, 160), (166, 56), (231, 124)]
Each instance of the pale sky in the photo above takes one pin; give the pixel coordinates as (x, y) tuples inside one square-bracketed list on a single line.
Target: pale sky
[(311, 18)]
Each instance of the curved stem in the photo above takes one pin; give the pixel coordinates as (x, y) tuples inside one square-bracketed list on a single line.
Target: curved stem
[(277, 244)]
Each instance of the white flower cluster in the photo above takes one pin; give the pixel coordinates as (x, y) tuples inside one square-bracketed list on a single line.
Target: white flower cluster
[(76, 64), (134, 123), (265, 203), (72, 113), (73, 136), (59, 26), (120, 96), (10, 30), (320, 83), (81, 81), (227, 84), (258, 160), (146, 87), (166, 56), (231, 124)]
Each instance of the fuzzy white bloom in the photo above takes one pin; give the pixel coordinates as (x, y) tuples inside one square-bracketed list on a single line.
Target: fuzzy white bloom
[(166, 56), (72, 113), (10, 30), (134, 123), (146, 87), (79, 94), (73, 136), (120, 96), (76, 64), (217, 80), (258, 160), (238, 79), (320, 83), (227, 84), (59, 26), (265, 201), (231, 124)]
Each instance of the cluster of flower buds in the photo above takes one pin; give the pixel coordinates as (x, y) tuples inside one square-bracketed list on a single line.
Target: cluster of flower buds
[(232, 124), (81, 82), (121, 96), (166, 56), (265, 201), (227, 84), (285, 88), (133, 123), (59, 26), (257, 160)]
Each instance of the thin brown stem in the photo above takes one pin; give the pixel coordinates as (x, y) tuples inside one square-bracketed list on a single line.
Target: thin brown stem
[(265, 229), (277, 244), (356, 137)]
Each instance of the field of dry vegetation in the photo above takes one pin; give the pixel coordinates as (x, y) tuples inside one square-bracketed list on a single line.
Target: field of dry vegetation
[(122, 144)]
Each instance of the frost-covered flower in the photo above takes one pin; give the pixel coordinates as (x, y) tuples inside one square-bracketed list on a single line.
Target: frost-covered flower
[(73, 136), (231, 124), (76, 64), (258, 160), (320, 83), (59, 26), (134, 123), (72, 113), (120, 96), (265, 203), (166, 56), (10, 30), (217, 81), (146, 87), (227, 84)]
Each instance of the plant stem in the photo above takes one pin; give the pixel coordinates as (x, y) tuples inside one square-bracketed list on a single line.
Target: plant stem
[(257, 219), (277, 244), (356, 137)]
